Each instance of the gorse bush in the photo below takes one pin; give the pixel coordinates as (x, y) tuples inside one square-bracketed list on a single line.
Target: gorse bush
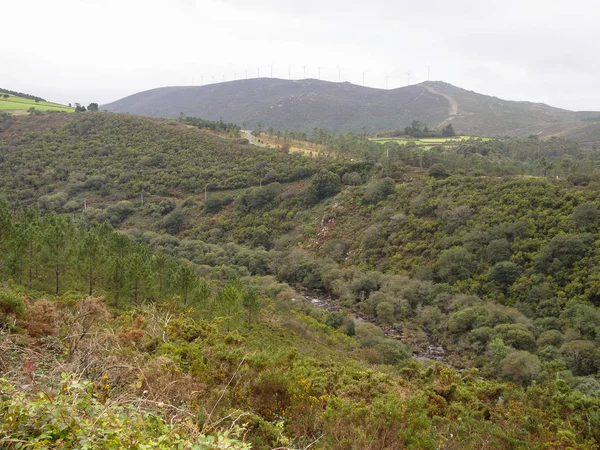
[(75, 418)]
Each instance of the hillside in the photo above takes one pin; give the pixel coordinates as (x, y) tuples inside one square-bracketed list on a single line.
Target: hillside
[(18, 103), (450, 292), (344, 107), (162, 358), (118, 155)]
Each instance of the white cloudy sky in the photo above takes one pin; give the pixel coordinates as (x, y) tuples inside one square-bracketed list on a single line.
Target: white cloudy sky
[(102, 50)]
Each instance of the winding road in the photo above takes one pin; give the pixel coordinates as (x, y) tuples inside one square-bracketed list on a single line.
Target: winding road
[(453, 106)]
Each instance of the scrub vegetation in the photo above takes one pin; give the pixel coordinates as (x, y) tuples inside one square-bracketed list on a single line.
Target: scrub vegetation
[(154, 276)]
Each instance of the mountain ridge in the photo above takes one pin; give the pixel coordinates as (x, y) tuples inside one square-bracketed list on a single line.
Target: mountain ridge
[(302, 105)]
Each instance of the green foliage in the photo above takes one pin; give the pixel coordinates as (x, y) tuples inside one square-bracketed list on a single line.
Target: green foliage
[(455, 264), (585, 216), (128, 155), (175, 222), (324, 184), (520, 366), (11, 304), (498, 250), (256, 198), (562, 252), (352, 179), (76, 418), (582, 357), (438, 171), (378, 190), (505, 273), (336, 250)]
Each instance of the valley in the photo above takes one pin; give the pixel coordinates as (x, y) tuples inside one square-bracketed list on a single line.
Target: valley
[(305, 289)]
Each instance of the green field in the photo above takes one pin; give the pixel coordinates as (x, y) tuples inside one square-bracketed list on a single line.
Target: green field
[(13, 103), (428, 143)]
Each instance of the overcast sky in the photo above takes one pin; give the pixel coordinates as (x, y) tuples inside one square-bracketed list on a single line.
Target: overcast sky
[(102, 50)]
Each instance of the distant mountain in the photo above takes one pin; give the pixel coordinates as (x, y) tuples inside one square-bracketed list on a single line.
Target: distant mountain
[(345, 107)]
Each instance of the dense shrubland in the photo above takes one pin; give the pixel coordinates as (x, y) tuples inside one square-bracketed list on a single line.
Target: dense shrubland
[(501, 271), (171, 359), (100, 155)]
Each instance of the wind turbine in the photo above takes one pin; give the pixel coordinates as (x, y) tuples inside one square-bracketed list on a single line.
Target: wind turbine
[(258, 72), (304, 72), (339, 75), (319, 70), (428, 68), (363, 78), (408, 78), (289, 72), (271, 70), (386, 80)]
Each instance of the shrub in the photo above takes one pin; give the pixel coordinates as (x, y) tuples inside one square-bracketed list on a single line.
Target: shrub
[(166, 206), (378, 190), (40, 319), (385, 312), (11, 304), (498, 250), (116, 214), (71, 206), (520, 366), (550, 337), (213, 205), (324, 184), (351, 179), (562, 252), (438, 171), (585, 216), (516, 335), (505, 273), (336, 250), (455, 264), (582, 357), (175, 222), (392, 351), (68, 419)]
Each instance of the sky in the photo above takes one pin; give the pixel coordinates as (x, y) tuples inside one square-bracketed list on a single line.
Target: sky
[(101, 50)]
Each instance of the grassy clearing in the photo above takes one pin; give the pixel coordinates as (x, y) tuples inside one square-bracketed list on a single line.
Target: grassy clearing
[(13, 103), (428, 141), (296, 146)]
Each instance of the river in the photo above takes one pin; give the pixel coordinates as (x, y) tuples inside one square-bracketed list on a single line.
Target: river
[(434, 351)]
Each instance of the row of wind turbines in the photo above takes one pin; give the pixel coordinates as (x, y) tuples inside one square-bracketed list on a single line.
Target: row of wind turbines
[(289, 70)]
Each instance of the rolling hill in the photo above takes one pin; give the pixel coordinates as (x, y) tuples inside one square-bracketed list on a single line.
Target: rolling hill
[(344, 107), (18, 103)]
